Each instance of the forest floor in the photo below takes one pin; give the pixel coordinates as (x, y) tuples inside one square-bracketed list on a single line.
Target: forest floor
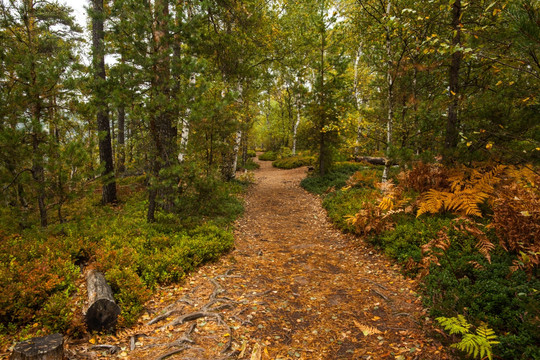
[(293, 288)]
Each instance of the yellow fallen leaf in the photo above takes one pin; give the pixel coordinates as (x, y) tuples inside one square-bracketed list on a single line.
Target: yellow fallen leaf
[(489, 146), (256, 353), (227, 334), (366, 329), (92, 341), (375, 318)]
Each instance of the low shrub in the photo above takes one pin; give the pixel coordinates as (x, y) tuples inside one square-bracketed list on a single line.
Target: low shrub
[(484, 269), (249, 165), (336, 178), (293, 162), (466, 283), (40, 270), (251, 153), (268, 156), (340, 204)]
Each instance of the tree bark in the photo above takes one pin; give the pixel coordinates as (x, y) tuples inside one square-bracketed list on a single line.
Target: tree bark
[(358, 101), (41, 348), (121, 139), (162, 130), (295, 126), (323, 147), (390, 93), (102, 312), (452, 124), (102, 116)]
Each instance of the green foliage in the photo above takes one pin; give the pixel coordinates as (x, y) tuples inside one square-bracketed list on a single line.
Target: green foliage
[(251, 153), (268, 156), (405, 241), (339, 204), (38, 269), (465, 282), (475, 345), (249, 165), (461, 279), (335, 179), (293, 162)]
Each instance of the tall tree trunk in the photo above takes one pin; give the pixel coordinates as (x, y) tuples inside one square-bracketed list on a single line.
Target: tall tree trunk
[(236, 149), (358, 102), (390, 95), (295, 127), (162, 130), (103, 126), (452, 123), (38, 171), (184, 137), (323, 147), (121, 139)]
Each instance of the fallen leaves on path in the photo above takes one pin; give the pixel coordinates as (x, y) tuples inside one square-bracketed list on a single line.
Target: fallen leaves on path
[(293, 288)]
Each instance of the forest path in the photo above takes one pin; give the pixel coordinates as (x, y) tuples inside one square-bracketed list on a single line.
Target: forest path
[(293, 288)]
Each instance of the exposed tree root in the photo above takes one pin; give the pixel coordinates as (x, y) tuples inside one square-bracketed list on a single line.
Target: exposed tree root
[(111, 349), (171, 353), (374, 283), (380, 294), (211, 309)]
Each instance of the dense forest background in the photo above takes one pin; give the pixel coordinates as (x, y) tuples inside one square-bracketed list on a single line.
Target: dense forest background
[(122, 145)]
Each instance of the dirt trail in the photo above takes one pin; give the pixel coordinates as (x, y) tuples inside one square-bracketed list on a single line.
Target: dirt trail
[(293, 288)]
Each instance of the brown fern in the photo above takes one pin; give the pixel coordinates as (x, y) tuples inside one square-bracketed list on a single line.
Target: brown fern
[(433, 250), (516, 218), (468, 189)]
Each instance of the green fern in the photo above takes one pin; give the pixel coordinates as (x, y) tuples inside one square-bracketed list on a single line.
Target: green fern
[(454, 325), (475, 345)]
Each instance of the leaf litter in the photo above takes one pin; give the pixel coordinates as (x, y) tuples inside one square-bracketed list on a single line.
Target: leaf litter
[(293, 288)]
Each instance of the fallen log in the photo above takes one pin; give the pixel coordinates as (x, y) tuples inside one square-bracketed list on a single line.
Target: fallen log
[(102, 312), (371, 160), (49, 347)]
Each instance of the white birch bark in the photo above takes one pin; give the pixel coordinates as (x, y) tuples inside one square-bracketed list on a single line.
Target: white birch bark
[(358, 100), (236, 148), (184, 139), (389, 94), (295, 127)]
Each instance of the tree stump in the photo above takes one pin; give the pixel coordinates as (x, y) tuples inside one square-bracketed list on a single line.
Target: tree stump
[(41, 348), (102, 312)]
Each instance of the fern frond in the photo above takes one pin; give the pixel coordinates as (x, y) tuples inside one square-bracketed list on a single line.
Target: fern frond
[(454, 325), (386, 204), (484, 247), (475, 345), (433, 202), (487, 333)]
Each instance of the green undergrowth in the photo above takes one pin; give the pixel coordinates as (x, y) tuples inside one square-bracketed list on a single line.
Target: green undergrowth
[(293, 162), (249, 165), (462, 281), (336, 178), (268, 156), (40, 270)]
